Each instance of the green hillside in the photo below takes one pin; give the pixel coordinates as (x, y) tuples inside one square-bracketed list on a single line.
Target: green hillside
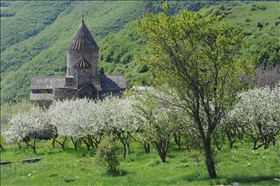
[(43, 53), (260, 23), (35, 35)]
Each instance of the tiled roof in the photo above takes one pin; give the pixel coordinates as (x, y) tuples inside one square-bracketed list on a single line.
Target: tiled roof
[(82, 39), (110, 82), (81, 63), (42, 82)]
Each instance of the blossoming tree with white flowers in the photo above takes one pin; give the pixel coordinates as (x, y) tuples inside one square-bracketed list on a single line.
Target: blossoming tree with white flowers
[(25, 125), (118, 118), (160, 120), (258, 115), (89, 120), (75, 119)]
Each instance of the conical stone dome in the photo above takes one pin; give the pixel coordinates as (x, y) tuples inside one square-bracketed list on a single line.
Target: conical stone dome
[(82, 39)]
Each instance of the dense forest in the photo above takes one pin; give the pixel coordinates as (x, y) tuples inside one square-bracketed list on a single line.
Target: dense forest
[(35, 35)]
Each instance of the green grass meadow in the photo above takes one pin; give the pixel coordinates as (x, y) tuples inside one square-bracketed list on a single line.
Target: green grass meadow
[(71, 167)]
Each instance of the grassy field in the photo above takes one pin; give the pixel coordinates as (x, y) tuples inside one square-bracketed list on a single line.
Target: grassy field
[(70, 167)]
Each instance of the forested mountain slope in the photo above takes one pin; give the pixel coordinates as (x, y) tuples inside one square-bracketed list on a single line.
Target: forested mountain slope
[(260, 24), (35, 35), (38, 46)]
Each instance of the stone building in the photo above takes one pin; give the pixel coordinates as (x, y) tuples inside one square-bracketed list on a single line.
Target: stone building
[(82, 78)]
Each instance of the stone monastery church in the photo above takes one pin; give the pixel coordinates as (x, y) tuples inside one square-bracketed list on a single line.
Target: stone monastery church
[(82, 78)]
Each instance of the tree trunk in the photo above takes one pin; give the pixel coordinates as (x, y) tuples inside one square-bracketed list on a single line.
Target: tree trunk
[(231, 138), (62, 144), (128, 143), (32, 146), (53, 143), (74, 143), (219, 144), (147, 147), (124, 145), (177, 139), (96, 140), (87, 143), (206, 139), (90, 141), (124, 151), (162, 148), (209, 159)]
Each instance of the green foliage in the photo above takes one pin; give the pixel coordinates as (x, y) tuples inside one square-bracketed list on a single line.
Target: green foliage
[(35, 35), (43, 52), (107, 155), (117, 54), (23, 19), (2, 142), (121, 47)]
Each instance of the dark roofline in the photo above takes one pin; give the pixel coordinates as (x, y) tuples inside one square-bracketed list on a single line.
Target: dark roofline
[(110, 74), (50, 76)]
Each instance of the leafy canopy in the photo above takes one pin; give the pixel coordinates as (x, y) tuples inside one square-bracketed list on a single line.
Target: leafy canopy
[(192, 53)]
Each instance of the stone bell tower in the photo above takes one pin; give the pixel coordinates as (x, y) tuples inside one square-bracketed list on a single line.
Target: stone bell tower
[(82, 56), (82, 78)]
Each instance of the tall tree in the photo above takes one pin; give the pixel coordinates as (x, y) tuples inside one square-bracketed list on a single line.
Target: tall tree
[(201, 59)]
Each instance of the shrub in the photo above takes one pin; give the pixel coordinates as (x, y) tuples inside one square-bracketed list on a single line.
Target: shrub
[(107, 156), (261, 7), (253, 8), (259, 25), (248, 20)]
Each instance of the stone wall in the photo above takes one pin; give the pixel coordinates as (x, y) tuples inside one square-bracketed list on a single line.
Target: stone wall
[(65, 93)]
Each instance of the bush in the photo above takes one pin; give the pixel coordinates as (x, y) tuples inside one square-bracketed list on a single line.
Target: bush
[(107, 155), (261, 7), (259, 25)]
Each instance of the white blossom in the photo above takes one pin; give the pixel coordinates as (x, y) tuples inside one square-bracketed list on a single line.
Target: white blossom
[(258, 112), (25, 124)]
